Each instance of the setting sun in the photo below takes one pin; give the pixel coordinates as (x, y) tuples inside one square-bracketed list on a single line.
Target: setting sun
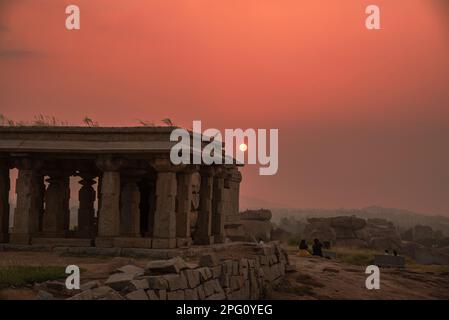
[(243, 147)]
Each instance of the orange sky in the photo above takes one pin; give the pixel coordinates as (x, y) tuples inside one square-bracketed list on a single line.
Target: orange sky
[(363, 116)]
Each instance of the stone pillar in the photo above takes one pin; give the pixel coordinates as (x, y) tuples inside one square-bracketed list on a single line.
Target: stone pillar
[(4, 201), (218, 207), (164, 226), (109, 215), (203, 231), (86, 211), (129, 208), (234, 184), (184, 206), (56, 216), (29, 202)]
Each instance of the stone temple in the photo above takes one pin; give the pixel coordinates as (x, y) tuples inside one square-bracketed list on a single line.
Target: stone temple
[(131, 195)]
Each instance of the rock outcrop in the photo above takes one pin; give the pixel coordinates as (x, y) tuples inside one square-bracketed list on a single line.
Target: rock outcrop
[(353, 231), (425, 255)]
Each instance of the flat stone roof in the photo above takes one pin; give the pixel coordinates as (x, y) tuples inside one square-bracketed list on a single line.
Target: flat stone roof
[(18, 139), (87, 140), (86, 130)]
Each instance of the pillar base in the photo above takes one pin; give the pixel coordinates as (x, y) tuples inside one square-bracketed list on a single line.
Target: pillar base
[(104, 242), (204, 240), (183, 242), (46, 234), (164, 243), (62, 242), (20, 238), (219, 238), (132, 242), (4, 237)]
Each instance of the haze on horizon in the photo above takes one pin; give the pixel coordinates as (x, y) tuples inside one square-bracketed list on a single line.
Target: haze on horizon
[(363, 116)]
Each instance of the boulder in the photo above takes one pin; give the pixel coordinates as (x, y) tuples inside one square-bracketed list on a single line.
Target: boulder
[(120, 281), (424, 255), (174, 265)]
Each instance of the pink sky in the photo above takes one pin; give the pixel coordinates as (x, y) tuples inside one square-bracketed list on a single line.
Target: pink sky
[(363, 115)]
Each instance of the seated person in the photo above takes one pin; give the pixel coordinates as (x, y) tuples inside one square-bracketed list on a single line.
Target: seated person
[(316, 248), (303, 249)]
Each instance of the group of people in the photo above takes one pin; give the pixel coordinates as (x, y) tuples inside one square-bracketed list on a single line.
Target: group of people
[(316, 248)]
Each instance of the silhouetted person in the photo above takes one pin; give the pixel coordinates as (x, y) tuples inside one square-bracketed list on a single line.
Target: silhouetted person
[(387, 253), (395, 253), (303, 249), (316, 248), (303, 245)]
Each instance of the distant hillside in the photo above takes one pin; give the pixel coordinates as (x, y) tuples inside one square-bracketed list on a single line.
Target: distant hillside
[(404, 219)]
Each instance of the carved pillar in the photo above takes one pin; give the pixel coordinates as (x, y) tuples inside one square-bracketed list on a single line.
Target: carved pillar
[(164, 227), (234, 184), (203, 231), (4, 201), (129, 208), (109, 215), (86, 211), (29, 202), (57, 214), (218, 207), (184, 205)]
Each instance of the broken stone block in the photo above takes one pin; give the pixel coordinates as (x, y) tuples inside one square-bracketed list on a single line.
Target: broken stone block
[(101, 292), (119, 281), (176, 282), (201, 293), (162, 294), (217, 296), (85, 295), (174, 265), (175, 295), (217, 287), (235, 268), (137, 295), (113, 295), (137, 271), (224, 280), (191, 294), (216, 271), (193, 277), (90, 285), (209, 260), (236, 282), (152, 295), (157, 282), (209, 288), (205, 272), (139, 284)]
